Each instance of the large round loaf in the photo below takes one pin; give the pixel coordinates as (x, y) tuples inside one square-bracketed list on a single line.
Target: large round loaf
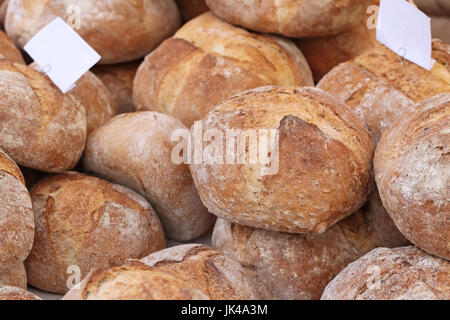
[(317, 173), (214, 61), (40, 127), (14, 276), (135, 150), (412, 171), (16, 215), (119, 30), (404, 273), (15, 293), (189, 9), (288, 266), (135, 281), (8, 50), (212, 272), (82, 223)]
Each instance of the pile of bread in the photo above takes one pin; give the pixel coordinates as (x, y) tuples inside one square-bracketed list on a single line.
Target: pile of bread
[(359, 207)]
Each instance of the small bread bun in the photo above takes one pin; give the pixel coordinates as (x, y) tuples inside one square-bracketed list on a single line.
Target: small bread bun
[(82, 223), (8, 50), (14, 276), (404, 273), (205, 269), (15, 293)]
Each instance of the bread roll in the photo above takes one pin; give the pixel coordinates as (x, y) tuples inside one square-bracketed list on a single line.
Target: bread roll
[(135, 150), (380, 88), (118, 79), (40, 127), (15, 293), (210, 271), (412, 173), (189, 9), (16, 215), (83, 222), (8, 50), (306, 18), (386, 274), (324, 163), (119, 30), (14, 276), (288, 266), (214, 61), (135, 281)]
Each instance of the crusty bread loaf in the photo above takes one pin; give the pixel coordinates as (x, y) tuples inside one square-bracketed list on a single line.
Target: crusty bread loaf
[(118, 79), (86, 222), (215, 60), (288, 266), (404, 273), (189, 9), (412, 173), (380, 88), (14, 276), (119, 30), (40, 127), (135, 281), (324, 164), (15, 293), (16, 215), (305, 18), (135, 150), (212, 272), (8, 50)]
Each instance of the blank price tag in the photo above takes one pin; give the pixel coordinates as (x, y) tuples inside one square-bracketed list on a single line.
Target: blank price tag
[(405, 30), (61, 53)]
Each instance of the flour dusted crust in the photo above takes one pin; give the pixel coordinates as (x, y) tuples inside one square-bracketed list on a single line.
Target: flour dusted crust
[(135, 150), (41, 128), (405, 273), (8, 50), (292, 18), (89, 223), (119, 30), (15, 293), (212, 272), (16, 215), (412, 173), (209, 60), (14, 276), (325, 162)]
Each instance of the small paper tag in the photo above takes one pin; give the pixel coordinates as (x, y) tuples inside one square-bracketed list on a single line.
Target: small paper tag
[(405, 30), (61, 53)]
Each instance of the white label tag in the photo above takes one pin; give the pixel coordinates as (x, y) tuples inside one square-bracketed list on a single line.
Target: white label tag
[(61, 53), (405, 30)]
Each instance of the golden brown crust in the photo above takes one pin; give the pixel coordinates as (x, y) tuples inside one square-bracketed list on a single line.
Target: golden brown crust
[(310, 196), (41, 128), (8, 50), (441, 53), (404, 273), (189, 9), (305, 18), (140, 157), (210, 271), (214, 60), (411, 170), (14, 276), (89, 223), (15, 293), (124, 31)]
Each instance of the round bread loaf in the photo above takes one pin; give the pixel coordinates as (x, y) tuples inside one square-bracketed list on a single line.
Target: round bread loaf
[(412, 171), (215, 61), (118, 79), (189, 9), (135, 150), (15, 293), (40, 127), (288, 266), (135, 281), (404, 273), (16, 215), (317, 173), (119, 30), (305, 18), (380, 88), (212, 272), (8, 50), (83, 222), (14, 276)]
